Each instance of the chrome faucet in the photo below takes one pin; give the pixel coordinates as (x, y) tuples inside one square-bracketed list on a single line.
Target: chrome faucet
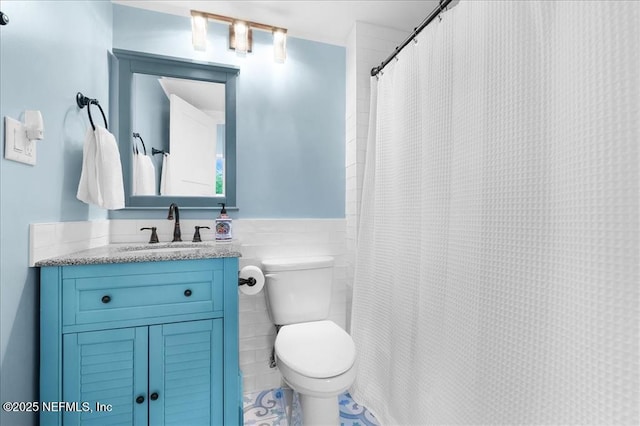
[(176, 228)]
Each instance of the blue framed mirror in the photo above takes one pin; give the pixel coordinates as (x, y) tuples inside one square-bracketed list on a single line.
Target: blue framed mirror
[(176, 121)]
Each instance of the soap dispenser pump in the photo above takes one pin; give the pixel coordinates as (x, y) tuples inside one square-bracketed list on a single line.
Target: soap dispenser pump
[(223, 225)]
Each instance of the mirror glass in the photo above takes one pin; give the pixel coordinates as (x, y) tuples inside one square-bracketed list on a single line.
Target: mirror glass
[(176, 124), (181, 128)]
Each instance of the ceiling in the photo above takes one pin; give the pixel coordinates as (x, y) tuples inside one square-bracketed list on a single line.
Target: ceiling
[(325, 21)]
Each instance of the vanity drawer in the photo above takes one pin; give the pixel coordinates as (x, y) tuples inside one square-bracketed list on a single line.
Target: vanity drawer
[(140, 294)]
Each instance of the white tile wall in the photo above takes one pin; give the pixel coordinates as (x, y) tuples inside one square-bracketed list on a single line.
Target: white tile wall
[(259, 239), (367, 46), (60, 238), (128, 231)]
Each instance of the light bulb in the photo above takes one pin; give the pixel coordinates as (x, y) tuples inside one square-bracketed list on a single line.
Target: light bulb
[(199, 32), (241, 34), (279, 45)]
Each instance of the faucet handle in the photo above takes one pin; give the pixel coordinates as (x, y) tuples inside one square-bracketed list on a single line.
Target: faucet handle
[(196, 235), (154, 235)]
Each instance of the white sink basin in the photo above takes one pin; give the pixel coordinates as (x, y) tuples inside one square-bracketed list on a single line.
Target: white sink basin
[(165, 250)]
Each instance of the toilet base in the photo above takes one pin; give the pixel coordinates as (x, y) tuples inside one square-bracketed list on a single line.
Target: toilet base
[(319, 411)]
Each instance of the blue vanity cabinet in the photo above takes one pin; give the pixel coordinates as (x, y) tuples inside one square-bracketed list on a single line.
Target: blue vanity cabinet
[(152, 343)]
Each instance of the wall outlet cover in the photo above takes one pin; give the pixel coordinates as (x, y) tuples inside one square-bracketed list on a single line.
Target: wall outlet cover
[(16, 145)]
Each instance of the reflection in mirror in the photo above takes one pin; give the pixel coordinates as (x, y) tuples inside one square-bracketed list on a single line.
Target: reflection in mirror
[(182, 123), (198, 138)]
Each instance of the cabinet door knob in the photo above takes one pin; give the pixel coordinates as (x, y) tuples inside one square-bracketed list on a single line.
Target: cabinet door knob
[(153, 396), (140, 399), (106, 299), (187, 292)]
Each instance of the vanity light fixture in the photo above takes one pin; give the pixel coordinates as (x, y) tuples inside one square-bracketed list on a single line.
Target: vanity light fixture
[(240, 34), (240, 37), (199, 31)]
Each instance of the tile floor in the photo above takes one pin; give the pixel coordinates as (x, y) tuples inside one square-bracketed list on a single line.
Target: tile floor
[(280, 407)]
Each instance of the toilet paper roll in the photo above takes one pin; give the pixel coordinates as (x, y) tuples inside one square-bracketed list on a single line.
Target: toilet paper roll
[(251, 272)]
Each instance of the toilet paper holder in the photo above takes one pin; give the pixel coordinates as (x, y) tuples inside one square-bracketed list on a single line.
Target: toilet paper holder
[(250, 280), (247, 281)]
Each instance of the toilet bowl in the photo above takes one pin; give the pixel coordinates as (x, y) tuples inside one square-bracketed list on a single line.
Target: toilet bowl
[(317, 359), (315, 356)]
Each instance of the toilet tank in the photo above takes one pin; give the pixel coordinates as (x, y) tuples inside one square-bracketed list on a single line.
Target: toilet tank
[(298, 289)]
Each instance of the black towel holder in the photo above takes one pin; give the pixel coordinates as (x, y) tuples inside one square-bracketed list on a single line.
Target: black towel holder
[(135, 148), (83, 101), (156, 151)]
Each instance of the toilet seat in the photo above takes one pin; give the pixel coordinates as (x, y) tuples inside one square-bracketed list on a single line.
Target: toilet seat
[(317, 349)]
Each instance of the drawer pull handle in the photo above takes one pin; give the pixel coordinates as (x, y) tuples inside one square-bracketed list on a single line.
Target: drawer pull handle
[(140, 399), (106, 299), (187, 292), (153, 396)]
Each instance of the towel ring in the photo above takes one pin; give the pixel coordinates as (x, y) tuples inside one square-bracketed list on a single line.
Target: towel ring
[(83, 101), (135, 148)]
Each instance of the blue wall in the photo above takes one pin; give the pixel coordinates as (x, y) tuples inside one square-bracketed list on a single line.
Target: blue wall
[(49, 51), (291, 116)]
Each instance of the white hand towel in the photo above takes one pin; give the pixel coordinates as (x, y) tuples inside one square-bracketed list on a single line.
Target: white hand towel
[(165, 178), (144, 175), (134, 168), (149, 173), (88, 190), (109, 170)]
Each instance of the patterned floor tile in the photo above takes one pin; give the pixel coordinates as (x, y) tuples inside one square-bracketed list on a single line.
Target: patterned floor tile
[(265, 408), (281, 407), (353, 414)]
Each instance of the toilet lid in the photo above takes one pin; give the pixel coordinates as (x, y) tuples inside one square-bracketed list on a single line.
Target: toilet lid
[(317, 349)]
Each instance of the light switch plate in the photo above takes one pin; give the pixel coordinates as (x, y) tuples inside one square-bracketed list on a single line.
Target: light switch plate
[(16, 145)]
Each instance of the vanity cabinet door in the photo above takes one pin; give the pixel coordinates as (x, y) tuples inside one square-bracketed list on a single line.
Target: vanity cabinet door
[(186, 373), (110, 368)]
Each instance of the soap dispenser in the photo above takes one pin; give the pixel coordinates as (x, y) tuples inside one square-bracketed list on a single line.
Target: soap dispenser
[(223, 225)]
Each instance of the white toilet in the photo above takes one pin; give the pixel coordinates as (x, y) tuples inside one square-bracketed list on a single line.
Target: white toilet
[(315, 356)]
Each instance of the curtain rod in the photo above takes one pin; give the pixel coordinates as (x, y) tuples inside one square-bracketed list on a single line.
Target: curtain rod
[(416, 31)]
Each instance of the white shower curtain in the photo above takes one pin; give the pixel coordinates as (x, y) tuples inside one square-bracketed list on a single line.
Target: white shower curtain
[(497, 268)]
